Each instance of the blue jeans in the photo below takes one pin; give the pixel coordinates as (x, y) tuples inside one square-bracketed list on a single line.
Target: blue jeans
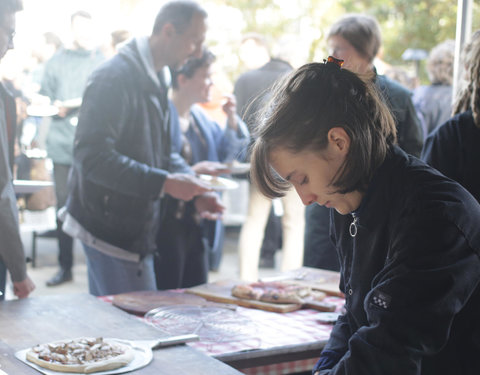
[(109, 275)]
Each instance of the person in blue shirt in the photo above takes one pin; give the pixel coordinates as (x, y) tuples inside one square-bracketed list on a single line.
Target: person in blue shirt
[(184, 239)]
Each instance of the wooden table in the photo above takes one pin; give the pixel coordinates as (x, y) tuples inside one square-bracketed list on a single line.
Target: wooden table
[(281, 342), (285, 340), (24, 323)]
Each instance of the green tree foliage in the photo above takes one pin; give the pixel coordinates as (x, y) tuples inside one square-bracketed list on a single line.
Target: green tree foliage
[(409, 23), (404, 23)]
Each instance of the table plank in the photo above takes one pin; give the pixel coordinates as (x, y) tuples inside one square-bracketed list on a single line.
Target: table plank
[(11, 365), (24, 323)]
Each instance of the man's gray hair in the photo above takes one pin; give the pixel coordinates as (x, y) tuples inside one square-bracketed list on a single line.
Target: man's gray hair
[(10, 6), (179, 13)]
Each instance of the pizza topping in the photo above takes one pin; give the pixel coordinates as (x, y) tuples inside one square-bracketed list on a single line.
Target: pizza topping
[(275, 292), (78, 351)]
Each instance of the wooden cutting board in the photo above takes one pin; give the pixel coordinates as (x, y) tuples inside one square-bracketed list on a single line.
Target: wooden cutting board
[(221, 291), (314, 278), (142, 302)]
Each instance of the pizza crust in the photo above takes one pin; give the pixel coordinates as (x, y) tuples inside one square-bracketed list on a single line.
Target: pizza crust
[(275, 292), (109, 363)]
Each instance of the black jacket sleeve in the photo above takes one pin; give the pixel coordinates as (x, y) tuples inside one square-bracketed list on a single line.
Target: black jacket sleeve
[(429, 276)]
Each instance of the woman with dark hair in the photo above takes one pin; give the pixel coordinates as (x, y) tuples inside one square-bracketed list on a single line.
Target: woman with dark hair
[(406, 236), (187, 245)]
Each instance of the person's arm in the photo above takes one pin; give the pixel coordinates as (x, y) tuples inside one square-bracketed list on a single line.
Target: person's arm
[(11, 247), (209, 206), (233, 141), (23, 288), (430, 274), (336, 347)]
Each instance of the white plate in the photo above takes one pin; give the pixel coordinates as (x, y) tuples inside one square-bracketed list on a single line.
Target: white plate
[(239, 168), (42, 110), (29, 186), (218, 183), (143, 356)]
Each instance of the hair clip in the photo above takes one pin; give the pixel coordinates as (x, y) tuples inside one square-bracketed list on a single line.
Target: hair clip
[(333, 60)]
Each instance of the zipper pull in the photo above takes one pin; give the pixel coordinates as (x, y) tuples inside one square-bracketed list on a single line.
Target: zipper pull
[(353, 226)]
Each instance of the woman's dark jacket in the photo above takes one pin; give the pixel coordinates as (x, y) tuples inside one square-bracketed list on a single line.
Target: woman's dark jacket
[(122, 154), (454, 149), (410, 277)]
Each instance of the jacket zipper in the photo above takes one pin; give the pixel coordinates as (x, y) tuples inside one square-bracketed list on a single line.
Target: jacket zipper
[(353, 225)]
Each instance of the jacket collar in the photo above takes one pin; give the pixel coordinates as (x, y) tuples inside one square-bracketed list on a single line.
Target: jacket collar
[(378, 184), (137, 52), (147, 59)]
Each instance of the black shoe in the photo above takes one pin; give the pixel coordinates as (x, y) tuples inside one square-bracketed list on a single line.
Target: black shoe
[(61, 277), (267, 262)]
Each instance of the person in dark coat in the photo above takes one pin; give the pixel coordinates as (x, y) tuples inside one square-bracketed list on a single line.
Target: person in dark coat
[(12, 255), (433, 102), (356, 39), (123, 160), (453, 147), (407, 237)]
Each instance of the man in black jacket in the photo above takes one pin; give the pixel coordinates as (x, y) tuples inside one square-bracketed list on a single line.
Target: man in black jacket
[(123, 160), (12, 256)]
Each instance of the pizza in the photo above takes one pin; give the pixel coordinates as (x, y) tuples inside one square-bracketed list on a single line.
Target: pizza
[(81, 355), (276, 292)]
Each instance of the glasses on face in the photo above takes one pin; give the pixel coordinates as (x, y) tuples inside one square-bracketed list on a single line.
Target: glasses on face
[(10, 33)]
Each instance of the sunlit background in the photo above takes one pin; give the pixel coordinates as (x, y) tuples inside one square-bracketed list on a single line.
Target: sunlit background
[(295, 28)]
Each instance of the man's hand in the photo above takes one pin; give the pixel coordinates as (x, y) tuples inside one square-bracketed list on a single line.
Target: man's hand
[(209, 206), (184, 186), (213, 168), (23, 288)]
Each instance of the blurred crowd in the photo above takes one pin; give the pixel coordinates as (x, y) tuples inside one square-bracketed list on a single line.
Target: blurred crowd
[(124, 128)]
